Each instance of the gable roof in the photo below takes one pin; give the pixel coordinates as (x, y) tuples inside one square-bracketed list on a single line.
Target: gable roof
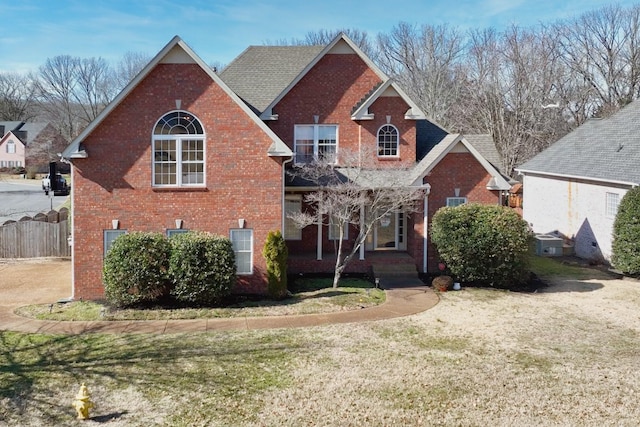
[(263, 75), (483, 142), (10, 126), (600, 149), (444, 147), (176, 51), (260, 73)]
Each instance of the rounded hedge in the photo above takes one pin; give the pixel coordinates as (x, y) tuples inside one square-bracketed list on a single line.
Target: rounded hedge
[(136, 269), (484, 244), (202, 267), (626, 234)]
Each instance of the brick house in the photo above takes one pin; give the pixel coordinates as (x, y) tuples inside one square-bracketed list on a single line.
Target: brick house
[(184, 148)]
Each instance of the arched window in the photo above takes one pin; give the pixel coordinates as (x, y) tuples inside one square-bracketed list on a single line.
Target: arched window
[(388, 141), (11, 147), (178, 151)]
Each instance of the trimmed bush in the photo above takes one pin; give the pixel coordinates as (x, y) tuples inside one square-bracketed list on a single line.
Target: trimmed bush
[(136, 269), (626, 234), (202, 267), (483, 244), (275, 253)]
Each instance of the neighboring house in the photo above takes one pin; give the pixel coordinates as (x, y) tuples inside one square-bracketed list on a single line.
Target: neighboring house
[(183, 148), (29, 145), (573, 188)]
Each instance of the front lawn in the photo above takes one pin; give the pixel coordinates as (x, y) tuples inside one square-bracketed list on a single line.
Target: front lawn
[(310, 296), (480, 357)]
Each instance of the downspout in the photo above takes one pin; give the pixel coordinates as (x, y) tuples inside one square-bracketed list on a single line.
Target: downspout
[(284, 213), (319, 242), (361, 225), (425, 228)]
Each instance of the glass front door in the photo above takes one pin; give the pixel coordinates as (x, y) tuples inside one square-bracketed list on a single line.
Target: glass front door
[(390, 231)]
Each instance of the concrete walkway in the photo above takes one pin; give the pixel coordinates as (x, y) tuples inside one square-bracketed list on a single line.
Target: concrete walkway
[(403, 299)]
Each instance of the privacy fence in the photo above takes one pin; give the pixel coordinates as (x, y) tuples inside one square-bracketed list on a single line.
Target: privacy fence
[(44, 235)]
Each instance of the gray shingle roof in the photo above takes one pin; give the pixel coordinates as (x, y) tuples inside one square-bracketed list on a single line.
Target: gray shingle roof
[(483, 142), (10, 126), (261, 73), (602, 149), (33, 130)]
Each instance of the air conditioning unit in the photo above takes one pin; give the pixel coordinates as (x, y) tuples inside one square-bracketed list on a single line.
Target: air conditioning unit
[(547, 245)]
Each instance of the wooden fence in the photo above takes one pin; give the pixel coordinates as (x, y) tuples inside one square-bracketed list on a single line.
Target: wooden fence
[(45, 235)]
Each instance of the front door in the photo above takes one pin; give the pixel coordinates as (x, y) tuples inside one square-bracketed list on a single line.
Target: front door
[(390, 232)]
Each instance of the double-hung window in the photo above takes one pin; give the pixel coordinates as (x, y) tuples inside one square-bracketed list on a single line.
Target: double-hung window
[(612, 202), (315, 142), (108, 238), (242, 242), (292, 206), (178, 151), (11, 147)]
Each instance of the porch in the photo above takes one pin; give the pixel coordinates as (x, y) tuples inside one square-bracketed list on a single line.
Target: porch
[(385, 265)]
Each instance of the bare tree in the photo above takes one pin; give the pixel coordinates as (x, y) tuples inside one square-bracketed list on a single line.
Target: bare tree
[(602, 49), (128, 68), (425, 62), (510, 92), (323, 37), (73, 91), (342, 195), (16, 97)]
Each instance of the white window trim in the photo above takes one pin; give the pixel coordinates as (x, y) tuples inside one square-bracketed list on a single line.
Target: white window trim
[(451, 201), (287, 221), (11, 147), (235, 251), (388, 156), (106, 244), (610, 210), (316, 144), (179, 138)]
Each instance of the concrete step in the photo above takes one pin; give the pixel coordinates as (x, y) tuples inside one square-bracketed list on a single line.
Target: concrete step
[(395, 270)]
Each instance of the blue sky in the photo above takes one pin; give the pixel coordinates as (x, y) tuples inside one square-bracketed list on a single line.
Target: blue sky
[(219, 30)]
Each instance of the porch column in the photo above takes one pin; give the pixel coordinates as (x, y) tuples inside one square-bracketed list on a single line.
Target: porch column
[(319, 242), (361, 225), (425, 230)]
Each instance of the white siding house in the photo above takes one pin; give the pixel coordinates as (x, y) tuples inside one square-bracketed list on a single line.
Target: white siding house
[(573, 188)]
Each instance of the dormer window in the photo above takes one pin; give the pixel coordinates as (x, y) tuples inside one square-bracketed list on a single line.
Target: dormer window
[(315, 142), (388, 141), (178, 151)]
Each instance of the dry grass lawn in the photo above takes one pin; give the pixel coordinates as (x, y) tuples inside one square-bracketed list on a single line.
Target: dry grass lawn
[(566, 356)]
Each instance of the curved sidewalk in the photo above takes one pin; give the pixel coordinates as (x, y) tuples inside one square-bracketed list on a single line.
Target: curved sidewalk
[(401, 301)]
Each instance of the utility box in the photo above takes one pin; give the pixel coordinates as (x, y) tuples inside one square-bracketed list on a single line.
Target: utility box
[(547, 245)]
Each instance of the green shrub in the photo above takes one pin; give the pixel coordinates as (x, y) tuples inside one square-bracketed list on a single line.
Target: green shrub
[(202, 267), (136, 269), (626, 234), (484, 244), (275, 253)]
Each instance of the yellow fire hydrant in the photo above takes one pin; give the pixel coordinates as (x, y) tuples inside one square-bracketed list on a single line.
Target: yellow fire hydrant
[(82, 404)]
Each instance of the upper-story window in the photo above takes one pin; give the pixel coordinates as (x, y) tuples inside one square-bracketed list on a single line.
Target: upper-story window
[(178, 151), (11, 147), (315, 142), (388, 141)]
